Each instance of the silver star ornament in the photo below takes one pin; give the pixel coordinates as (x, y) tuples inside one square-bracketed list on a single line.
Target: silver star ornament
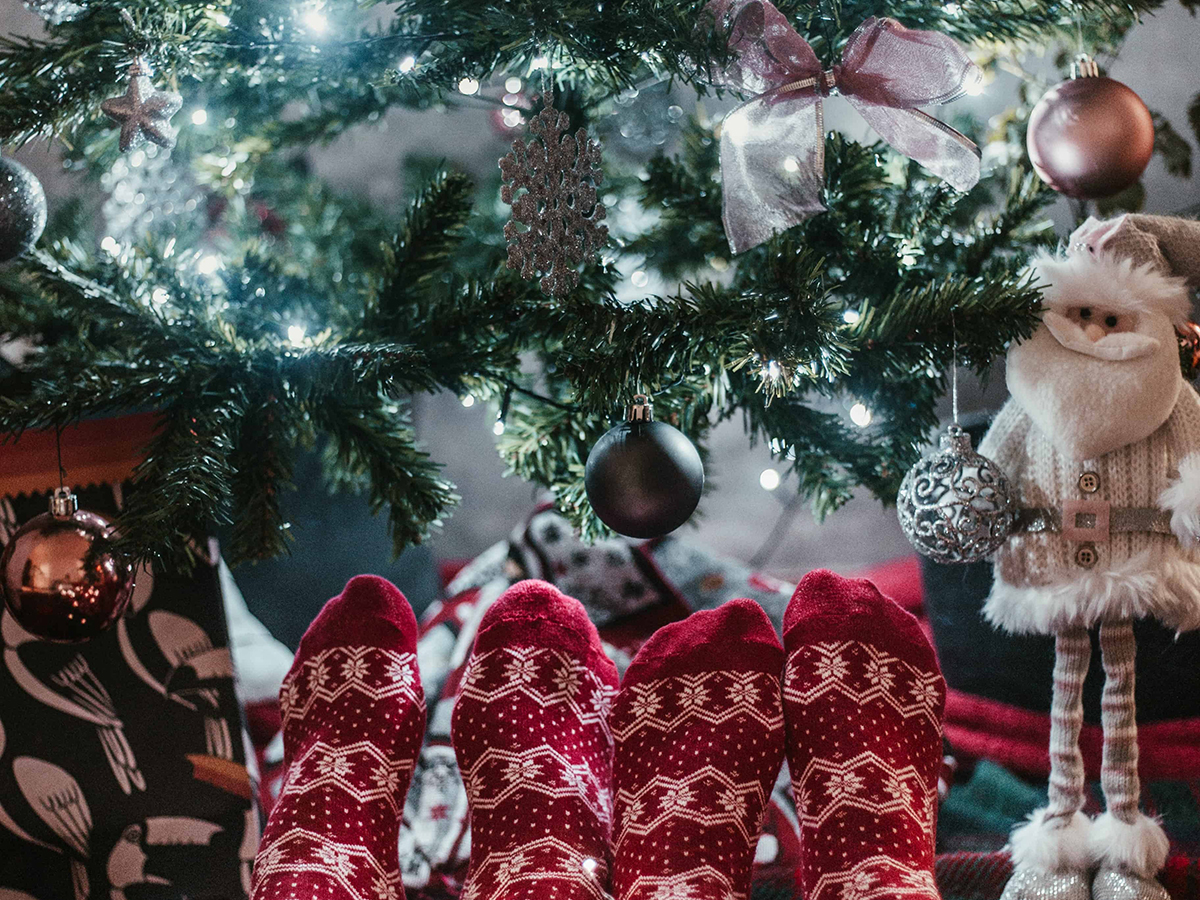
[(143, 112)]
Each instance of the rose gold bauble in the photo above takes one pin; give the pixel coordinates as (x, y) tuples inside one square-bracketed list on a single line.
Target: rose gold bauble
[(1090, 137), (55, 585)]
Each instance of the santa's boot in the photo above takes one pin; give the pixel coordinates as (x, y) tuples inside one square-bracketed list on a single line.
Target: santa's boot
[(1128, 847), (1050, 851)]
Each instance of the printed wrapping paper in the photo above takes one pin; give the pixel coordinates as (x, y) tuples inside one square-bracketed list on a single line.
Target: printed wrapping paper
[(122, 762)]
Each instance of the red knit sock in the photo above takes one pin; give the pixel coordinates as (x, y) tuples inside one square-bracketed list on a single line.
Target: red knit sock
[(531, 734), (699, 732), (863, 701), (353, 722)]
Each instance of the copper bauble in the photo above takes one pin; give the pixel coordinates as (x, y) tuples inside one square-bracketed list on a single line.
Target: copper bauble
[(1188, 336), (1090, 137), (55, 584)]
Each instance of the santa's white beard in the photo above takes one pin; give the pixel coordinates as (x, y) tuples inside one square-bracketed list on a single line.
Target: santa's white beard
[(1088, 406)]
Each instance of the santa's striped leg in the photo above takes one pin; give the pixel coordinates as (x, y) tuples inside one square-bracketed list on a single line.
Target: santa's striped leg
[(1128, 846), (1050, 851)]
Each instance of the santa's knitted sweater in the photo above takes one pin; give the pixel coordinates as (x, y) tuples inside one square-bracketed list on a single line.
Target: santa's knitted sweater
[(1044, 582)]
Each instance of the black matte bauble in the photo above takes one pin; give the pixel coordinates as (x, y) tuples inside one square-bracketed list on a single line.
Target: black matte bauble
[(644, 479)]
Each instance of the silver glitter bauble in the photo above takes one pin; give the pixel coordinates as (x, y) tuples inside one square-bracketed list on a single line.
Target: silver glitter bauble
[(954, 505), (22, 209)]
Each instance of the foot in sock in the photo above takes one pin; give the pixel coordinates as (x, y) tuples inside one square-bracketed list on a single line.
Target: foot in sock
[(530, 730), (353, 722), (699, 742), (863, 701)]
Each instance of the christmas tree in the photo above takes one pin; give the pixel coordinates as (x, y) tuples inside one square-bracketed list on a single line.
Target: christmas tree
[(185, 302)]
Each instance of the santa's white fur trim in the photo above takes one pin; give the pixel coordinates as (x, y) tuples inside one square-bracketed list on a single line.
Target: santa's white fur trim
[(1147, 584), (1183, 499), (1106, 281), (1052, 845), (1139, 847)]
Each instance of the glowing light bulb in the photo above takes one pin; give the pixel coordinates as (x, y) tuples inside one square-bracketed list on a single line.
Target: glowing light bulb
[(468, 86), (407, 64), (769, 479), (498, 428), (160, 296), (851, 317), (316, 21), (737, 128), (199, 117), (589, 865), (860, 415), (791, 164), (513, 85), (539, 62), (296, 333), (110, 246), (639, 278), (468, 401), (208, 265)]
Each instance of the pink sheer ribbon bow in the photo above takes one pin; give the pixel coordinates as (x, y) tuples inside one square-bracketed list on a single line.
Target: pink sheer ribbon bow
[(773, 146)]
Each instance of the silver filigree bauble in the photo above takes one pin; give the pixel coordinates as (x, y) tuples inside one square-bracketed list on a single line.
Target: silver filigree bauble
[(954, 505)]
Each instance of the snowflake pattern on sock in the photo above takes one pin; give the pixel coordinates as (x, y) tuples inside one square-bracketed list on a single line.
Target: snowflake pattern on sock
[(336, 823), (863, 700), (697, 755), (353, 720), (530, 729)]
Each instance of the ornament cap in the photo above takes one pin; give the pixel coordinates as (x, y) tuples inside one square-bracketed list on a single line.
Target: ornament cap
[(956, 441), (641, 410), (63, 503), (1084, 67)]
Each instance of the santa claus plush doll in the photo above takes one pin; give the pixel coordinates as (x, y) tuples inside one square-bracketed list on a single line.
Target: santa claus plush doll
[(1101, 442)]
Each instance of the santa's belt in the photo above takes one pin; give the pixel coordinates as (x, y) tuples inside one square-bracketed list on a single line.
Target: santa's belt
[(1093, 520)]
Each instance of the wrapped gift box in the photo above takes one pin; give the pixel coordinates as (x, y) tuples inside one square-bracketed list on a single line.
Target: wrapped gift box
[(122, 762)]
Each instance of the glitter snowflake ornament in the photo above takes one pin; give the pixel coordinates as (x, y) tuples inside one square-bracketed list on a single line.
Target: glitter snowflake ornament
[(557, 222), (143, 112)]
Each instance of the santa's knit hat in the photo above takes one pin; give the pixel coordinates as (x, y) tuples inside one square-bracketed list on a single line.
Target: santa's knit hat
[(1133, 262), (1165, 243)]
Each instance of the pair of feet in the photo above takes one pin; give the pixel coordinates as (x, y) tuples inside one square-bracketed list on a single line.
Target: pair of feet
[(654, 790)]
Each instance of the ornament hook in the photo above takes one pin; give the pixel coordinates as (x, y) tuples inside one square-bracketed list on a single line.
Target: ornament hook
[(954, 368)]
